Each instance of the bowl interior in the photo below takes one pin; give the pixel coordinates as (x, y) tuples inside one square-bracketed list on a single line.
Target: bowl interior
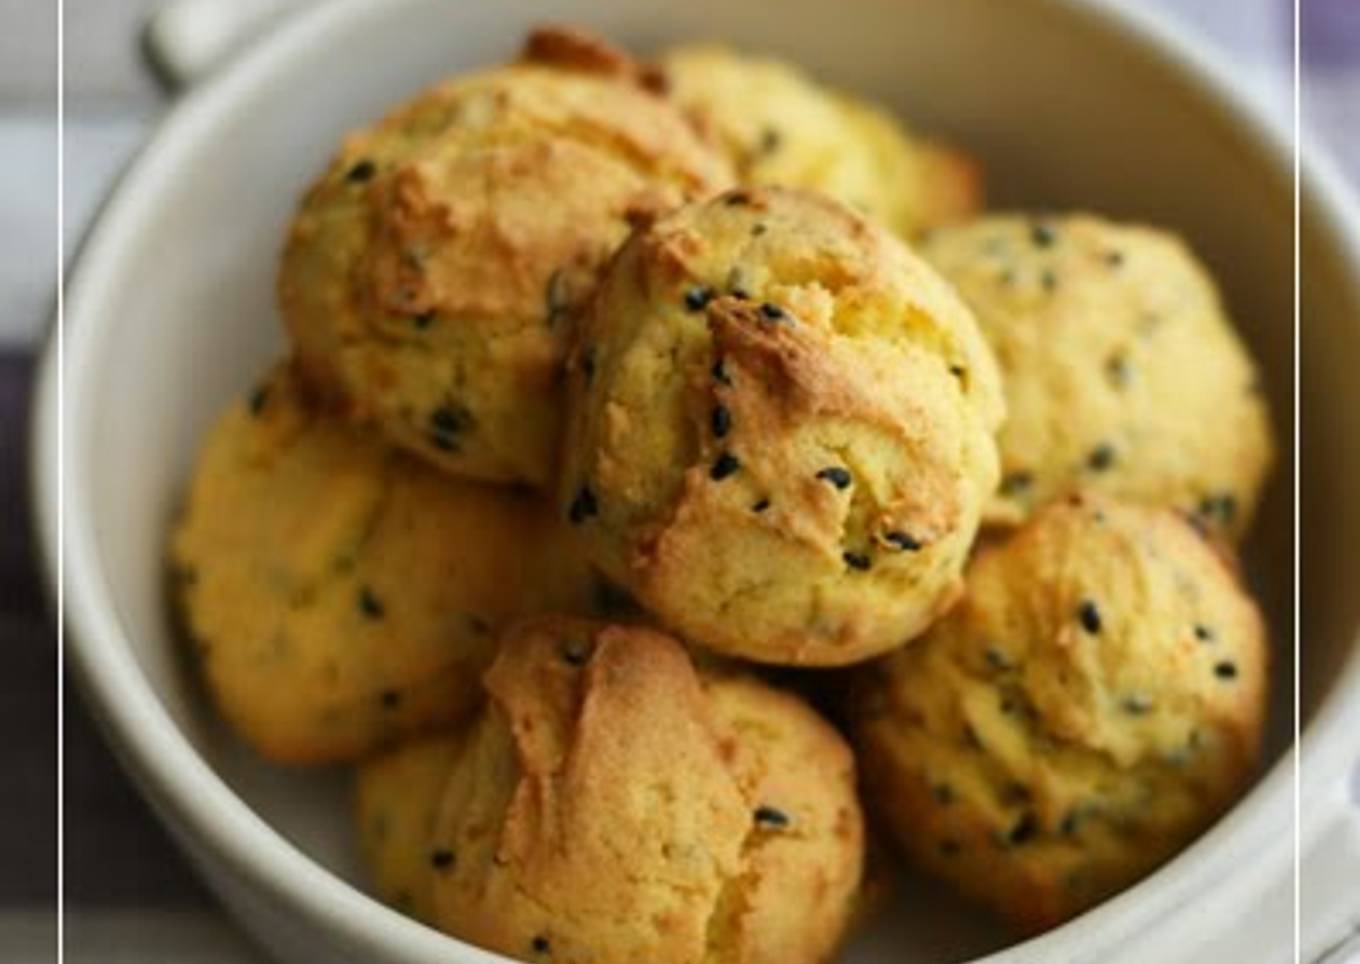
[(1067, 114)]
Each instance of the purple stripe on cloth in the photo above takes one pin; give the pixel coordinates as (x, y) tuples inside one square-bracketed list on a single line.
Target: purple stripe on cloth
[(1329, 32)]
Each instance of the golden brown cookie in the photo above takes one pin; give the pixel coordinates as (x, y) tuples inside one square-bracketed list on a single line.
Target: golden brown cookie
[(431, 276), (612, 805), (781, 429), (779, 126), (1123, 372), (340, 593), (1093, 703)]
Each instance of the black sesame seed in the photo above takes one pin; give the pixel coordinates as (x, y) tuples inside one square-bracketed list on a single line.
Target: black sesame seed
[(390, 699), (767, 816), (1089, 616), (698, 297), (1024, 830), (759, 228), (441, 859), (583, 506), (722, 421), (424, 320), (1043, 235), (958, 371), (772, 311), (1136, 704), (576, 652), (1225, 670), (540, 945), (369, 604), (1101, 457), (1114, 258), (1222, 507), (857, 560), (1117, 370), (736, 198), (837, 475), (446, 422), (997, 659), (770, 140), (720, 375), (258, 399), (761, 506), (1203, 633), (902, 541), (725, 465), (943, 794), (361, 172), (1015, 482)]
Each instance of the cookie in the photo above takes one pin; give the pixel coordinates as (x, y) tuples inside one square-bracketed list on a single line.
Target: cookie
[(781, 430), (431, 276), (780, 126), (614, 805), (1123, 373), (1091, 705), (340, 593), (396, 802)]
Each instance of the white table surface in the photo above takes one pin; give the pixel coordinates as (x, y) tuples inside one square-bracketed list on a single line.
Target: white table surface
[(130, 898)]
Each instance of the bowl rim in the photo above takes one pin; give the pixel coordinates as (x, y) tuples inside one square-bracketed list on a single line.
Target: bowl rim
[(188, 792)]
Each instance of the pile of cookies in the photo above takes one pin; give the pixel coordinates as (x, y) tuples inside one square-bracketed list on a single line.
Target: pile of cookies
[(614, 385)]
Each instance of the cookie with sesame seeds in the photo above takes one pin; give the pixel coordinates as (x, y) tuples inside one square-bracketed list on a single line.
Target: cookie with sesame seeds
[(1122, 369), (396, 801), (614, 804), (781, 429), (1093, 703), (340, 593), (780, 126), (431, 275)]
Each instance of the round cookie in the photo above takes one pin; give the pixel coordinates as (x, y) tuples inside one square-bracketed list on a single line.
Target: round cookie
[(341, 593), (1093, 703), (781, 429), (1123, 373), (431, 275), (779, 126), (613, 805)]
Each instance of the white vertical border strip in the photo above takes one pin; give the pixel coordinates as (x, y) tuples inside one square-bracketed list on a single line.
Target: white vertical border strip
[(61, 483), (1298, 491)]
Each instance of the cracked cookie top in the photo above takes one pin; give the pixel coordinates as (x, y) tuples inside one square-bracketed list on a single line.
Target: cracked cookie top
[(781, 432), (431, 276), (615, 805)]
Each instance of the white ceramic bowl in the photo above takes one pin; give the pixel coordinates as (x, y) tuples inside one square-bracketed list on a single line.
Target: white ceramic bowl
[(171, 311)]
